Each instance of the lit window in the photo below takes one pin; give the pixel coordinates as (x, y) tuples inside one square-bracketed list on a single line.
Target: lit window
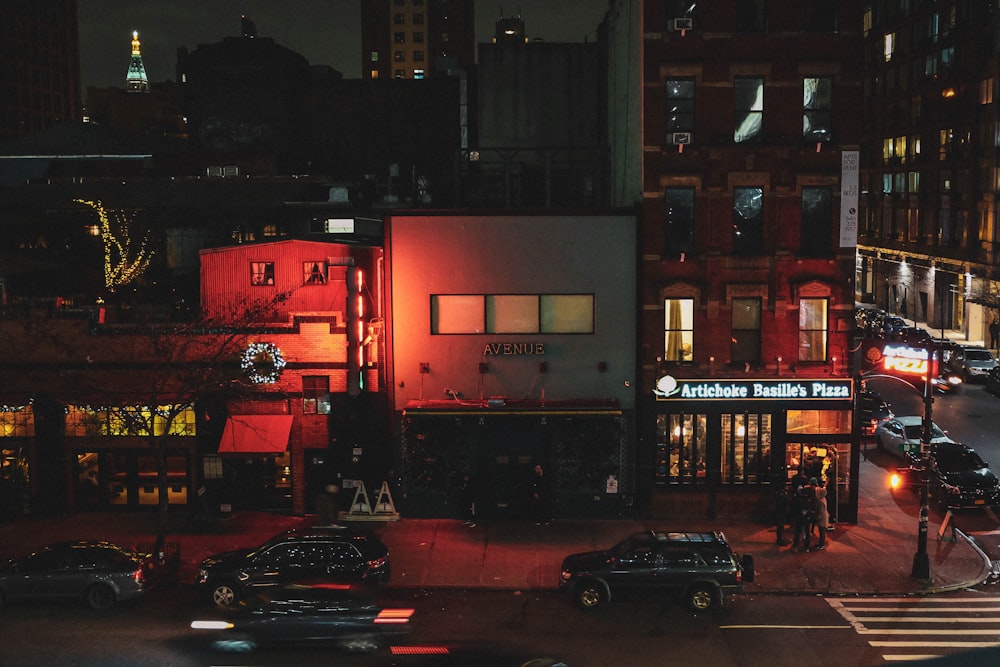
[(262, 273), (374, 56), (986, 91), (817, 109), (17, 422), (313, 273), (316, 395), (678, 330), (888, 45), (418, 74), (567, 313), (512, 313), (681, 443), (813, 329), (748, 97), (746, 448)]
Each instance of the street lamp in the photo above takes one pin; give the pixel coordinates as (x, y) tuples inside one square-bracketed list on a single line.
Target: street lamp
[(921, 559)]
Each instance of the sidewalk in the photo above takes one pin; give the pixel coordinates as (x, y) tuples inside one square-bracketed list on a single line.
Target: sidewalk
[(874, 556)]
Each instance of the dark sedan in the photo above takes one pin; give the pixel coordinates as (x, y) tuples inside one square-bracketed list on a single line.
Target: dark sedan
[(98, 573), (305, 614), (957, 477)]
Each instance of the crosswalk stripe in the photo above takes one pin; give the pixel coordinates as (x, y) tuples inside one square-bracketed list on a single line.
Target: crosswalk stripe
[(955, 644)]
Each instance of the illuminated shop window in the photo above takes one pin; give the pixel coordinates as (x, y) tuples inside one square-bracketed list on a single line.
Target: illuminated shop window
[(17, 422), (819, 421), (316, 395), (681, 442), (458, 314), (678, 330), (128, 421), (746, 448)]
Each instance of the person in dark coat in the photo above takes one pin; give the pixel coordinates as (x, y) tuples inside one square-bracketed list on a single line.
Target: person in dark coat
[(802, 512), (779, 512)]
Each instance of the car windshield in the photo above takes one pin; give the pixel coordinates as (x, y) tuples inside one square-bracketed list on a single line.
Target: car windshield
[(958, 461), (978, 355), (916, 432)]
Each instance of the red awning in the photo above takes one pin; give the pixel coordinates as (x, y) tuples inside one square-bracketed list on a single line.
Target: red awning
[(256, 434)]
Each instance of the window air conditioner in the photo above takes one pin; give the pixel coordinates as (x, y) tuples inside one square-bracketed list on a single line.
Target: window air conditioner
[(683, 24), (680, 138)]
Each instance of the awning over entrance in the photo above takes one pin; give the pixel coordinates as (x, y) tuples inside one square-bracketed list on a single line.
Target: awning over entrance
[(256, 434)]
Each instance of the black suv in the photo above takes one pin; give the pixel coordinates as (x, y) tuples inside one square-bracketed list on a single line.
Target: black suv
[(958, 477), (329, 554), (698, 567)]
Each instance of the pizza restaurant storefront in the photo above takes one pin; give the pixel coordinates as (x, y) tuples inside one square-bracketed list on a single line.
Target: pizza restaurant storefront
[(719, 445)]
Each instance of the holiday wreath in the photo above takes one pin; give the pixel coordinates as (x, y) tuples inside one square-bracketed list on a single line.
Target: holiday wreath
[(262, 363)]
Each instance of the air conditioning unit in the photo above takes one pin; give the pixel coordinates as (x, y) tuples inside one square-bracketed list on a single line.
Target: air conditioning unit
[(682, 24), (680, 138)]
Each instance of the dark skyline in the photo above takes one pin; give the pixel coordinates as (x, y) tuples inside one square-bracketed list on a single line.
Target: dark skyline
[(325, 32)]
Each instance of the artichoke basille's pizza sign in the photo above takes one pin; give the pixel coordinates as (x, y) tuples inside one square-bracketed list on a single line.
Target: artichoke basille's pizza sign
[(671, 388)]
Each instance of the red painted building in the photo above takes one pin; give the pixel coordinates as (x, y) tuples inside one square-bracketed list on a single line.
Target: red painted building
[(750, 130)]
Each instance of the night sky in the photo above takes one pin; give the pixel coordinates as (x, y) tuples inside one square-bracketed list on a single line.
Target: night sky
[(325, 32)]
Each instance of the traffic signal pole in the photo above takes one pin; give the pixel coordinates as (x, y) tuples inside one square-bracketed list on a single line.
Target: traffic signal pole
[(921, 559)]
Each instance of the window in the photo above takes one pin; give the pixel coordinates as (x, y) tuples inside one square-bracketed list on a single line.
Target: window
[(681, 443), (17, 422), (313, 273), (817, 109), (398, 55), (399, 18), (418, 18), (816, 234), (888, 45), (751, 15), (418, 37), (746, 448), (678, 329), (679, 210), (680, 105), (512, 313), (748, 221), (262, 273), (418, 74), (813, 329), (399, 37), (748, 96), (374, 56), (745, 341), (986, 91), (315, 395), (418, 56), (129, 421)]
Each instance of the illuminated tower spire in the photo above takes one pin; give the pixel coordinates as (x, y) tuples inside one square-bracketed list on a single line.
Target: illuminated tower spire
[(135, 80)]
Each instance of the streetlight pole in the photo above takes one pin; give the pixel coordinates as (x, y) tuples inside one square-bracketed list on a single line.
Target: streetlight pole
[(921, 559)]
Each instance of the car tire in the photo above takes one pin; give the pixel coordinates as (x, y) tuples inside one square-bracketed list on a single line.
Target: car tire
[(590, 595), (101, 597), (701, 597), (225, 595)]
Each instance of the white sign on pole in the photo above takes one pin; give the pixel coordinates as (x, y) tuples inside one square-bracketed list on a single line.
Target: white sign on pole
[(848, 199)]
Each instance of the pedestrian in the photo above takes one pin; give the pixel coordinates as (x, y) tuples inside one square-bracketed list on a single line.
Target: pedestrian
[(802, 509), (539, 499), (468, 499), (995, 334), (821, 514), (779, 512)]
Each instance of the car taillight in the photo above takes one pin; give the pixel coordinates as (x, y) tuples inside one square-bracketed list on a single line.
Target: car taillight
[(376, 563), (394, 616), (139, 576)]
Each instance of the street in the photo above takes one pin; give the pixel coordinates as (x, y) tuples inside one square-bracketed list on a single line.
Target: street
[(750, 630)]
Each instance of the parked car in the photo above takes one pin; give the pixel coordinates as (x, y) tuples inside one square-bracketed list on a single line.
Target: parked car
[(872, 411), (306, 614), (903, 435), (698, 567), (913, 336), (888, 325), (973, 363), (992, 382), (958, 478), (330, 554), (97, 573)]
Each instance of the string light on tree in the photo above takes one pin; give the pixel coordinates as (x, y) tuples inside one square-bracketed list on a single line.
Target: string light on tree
[(262, 362), (124, 259)]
